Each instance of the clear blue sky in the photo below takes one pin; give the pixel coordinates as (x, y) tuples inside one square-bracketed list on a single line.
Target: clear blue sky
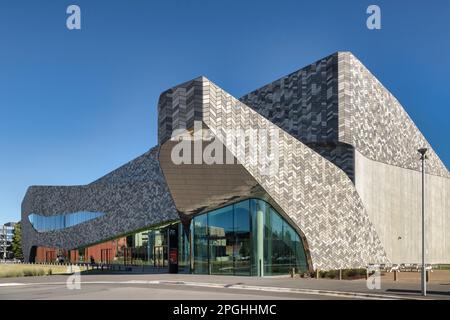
[(75, 105)]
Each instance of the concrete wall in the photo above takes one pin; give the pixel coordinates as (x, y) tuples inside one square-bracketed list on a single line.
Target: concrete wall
[(392, 198)]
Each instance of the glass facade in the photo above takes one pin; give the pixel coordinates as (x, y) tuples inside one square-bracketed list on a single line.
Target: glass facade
[(199, 234), (43, 224), (246, 238), (184, 261), (283, 248), (147, 248)]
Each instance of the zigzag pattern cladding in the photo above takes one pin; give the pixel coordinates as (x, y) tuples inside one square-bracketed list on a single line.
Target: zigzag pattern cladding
[(312, 191), (144, 168), (305, 105), (132, 197), (178, 108), (374, 122)]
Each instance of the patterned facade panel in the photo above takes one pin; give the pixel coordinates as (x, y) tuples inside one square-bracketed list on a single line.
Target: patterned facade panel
[(318, 197), (305, 105), (374, 122), (144, 168), (178, 108), (132, 197)]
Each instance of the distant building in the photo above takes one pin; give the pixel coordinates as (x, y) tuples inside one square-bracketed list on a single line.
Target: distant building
[(6, 235)]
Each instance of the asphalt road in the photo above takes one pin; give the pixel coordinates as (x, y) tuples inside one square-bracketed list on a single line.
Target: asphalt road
[(205, 287), (142, 292)]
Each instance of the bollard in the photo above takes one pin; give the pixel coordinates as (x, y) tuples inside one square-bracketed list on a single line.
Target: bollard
[(395, 275), (427, 275), (317, 274), (340, 274)]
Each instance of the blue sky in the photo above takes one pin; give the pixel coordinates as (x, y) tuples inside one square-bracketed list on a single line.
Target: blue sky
[(75, 105)]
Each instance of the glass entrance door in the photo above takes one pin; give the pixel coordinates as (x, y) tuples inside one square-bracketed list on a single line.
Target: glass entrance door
[(160, 256)]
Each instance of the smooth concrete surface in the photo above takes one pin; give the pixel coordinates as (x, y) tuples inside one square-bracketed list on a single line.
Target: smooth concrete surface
[(393, 198), (197, 188)]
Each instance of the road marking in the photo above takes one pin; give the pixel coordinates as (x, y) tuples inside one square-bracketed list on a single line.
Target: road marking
[(12, 284)]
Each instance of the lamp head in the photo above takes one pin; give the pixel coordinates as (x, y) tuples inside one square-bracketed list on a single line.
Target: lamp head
[(422, 151)]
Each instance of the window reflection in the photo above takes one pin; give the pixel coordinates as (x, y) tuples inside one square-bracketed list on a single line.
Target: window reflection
[(221, 240), (246, 238), (58, 222), (200, 244)]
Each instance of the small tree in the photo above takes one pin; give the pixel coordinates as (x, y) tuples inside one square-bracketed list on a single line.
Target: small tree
[(17, 242)]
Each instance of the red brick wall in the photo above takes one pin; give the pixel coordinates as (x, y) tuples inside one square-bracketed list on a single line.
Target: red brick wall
[(44, 254), (105, 251)]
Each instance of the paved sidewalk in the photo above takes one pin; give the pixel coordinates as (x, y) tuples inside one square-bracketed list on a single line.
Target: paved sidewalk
[(274, 284)]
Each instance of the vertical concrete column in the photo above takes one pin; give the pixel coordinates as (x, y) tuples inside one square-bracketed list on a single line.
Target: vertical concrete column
[(260, 241)]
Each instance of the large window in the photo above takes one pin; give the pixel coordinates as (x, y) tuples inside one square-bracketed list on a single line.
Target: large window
[(50, 223), (199, 230), (147, 249), (221, 241), (183, 249), (242, 245), (246, 238), (281, 246)]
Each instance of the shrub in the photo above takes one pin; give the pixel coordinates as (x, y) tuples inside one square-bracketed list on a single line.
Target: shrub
[(30, 272), (349, 273), (332, 274), (346, 274), (11, 274), (353, 273)]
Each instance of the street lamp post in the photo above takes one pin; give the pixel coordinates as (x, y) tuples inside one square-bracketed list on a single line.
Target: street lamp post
[(422, 152)]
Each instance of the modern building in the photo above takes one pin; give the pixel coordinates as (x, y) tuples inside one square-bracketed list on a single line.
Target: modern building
[(316, 170), (6, 237)]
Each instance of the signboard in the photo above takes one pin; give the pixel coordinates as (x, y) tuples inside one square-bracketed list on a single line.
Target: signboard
[(173, 249)]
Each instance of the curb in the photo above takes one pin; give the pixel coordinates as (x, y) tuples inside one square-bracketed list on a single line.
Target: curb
[(293, 290)]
